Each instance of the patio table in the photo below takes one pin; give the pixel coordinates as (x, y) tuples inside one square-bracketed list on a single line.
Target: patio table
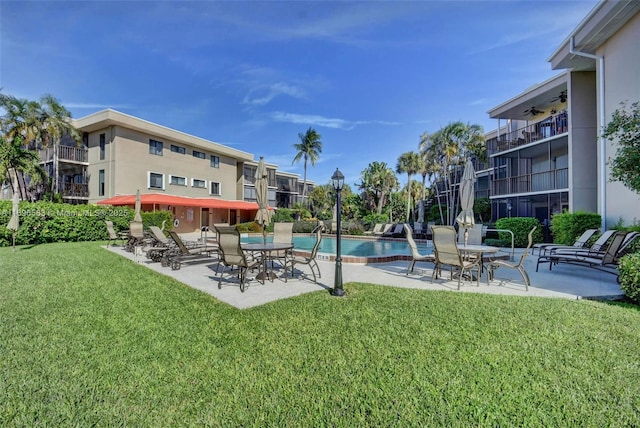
[(264, 250)]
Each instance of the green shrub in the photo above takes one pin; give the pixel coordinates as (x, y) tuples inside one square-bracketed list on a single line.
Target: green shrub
[(567, 227), (305, 226), (520, 226), (43, 222), (156, 218), (249, 227), (434, 213), (370, 220), (354, 228), (283, 215), (629, 269)]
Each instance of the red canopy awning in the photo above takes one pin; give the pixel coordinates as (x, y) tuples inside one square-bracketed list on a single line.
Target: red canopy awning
[(180, 201)]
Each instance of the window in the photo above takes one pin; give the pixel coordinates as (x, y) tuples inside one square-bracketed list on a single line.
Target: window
[(215, 161), (197, 154), (215, 188), (155, 147), (102, 145), (101, 182), (178, 149), (202, 184), (177, 180), (156, 180)]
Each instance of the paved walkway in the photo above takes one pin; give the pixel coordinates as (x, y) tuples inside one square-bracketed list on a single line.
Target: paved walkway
[(564, 281)]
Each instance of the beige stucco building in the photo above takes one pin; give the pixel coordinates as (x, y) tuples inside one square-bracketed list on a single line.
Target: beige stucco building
[(200, 181), (546, 152)]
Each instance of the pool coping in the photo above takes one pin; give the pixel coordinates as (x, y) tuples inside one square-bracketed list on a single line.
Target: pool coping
[(361, 260)]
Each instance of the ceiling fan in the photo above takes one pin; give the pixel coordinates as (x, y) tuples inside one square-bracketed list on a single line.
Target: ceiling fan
[(562, 97), (533, 111)]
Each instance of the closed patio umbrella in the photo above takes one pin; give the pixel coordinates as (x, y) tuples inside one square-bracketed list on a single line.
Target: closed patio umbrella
[(14, 222), (138, 217), (263, 216), (465, 218)]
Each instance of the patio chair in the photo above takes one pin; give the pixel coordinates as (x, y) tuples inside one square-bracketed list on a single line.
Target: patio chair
[(596, 249), (136, 236), (495, 264), (384, 230), (418, 230), (282, 234), (311, 260), (448, 254), (159, 245), (182, 252), (605, 262), (474, 235), (113, 235), (580, 242), (231, 255), (376, 229), (415, 255), (395, 231)]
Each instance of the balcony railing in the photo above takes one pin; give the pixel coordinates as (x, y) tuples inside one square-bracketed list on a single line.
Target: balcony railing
[(75, 190), (66, 153), (546, 128), (536, 182)]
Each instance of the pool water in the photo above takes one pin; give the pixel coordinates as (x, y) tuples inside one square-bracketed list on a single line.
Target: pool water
[(351, 246)]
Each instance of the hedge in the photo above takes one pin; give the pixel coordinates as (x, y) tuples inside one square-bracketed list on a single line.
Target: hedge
[(567, 227), (42, 222), (629, 276), (520, 226)]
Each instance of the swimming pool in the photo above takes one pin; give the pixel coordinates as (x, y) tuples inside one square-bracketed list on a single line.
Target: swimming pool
[(352, 246)]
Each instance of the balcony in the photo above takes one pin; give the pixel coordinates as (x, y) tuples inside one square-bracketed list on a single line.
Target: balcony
[(75, 190), (546, 128), (557, 179), (66, 154)]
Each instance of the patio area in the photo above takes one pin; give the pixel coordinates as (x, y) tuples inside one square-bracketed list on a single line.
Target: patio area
[(565, 281)]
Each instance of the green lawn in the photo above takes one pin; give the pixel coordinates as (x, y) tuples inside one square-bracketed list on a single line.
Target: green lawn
[(88, 338)]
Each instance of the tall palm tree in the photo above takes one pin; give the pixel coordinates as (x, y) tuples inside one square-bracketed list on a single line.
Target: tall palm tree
[(43, 123), (408, 163), (451, 146), (16, 162), (56, 123), (21, 118), (309, 149), (378, 181)]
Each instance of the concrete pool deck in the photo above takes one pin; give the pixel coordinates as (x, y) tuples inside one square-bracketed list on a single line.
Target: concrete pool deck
[(564, 281)]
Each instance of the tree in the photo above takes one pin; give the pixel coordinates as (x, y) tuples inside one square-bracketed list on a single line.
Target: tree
[(449, 148), (409, 163), (36, 124), (309, 149), (378, 181), (56, 123), (624, 128), (16, 162), (321, 200)]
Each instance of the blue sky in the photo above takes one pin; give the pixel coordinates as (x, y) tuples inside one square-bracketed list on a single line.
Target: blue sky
[(370, 77)]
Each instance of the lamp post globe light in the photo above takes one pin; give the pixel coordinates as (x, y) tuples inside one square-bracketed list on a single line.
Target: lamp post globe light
[(337, 180)]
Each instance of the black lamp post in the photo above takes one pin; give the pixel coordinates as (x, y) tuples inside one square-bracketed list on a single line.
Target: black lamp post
[(337, 180)]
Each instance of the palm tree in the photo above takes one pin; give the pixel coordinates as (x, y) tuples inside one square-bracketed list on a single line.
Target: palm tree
[(56, 123), (378, 181), (16, 162), (409, 163), (41, 123), (309, 149), (21, 119), (450, 147)]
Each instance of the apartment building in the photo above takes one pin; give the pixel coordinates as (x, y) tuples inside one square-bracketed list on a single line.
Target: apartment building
[(200, 181), (546, 154)]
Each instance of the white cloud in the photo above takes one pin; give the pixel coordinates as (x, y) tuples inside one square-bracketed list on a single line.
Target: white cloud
[(263, 94), (327, 122)]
